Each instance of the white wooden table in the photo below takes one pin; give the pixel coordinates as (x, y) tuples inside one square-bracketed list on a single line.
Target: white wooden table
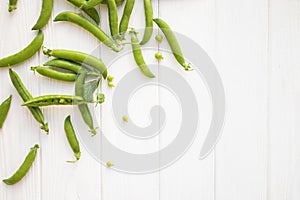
[(255, 45)]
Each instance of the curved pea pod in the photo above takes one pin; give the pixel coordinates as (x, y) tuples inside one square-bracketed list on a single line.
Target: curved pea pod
[(91, 12), (83, 108), (24, 54), (24, 168), (126, 17), (173, 43), (88, 26), (80, 57), (148, 21), (72, 139), (54, 100), (54, 74), (4, 108), (45, 15), (26, 96), (138, 56)]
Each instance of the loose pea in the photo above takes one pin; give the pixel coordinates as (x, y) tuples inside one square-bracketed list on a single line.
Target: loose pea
[(125, 119), (109, 164), (110, 84), (4, 108), (110, 78), (24, 168), (159, 56), (159, 38)]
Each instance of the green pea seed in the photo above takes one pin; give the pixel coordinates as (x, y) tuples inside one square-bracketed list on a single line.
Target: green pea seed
[(159, 38), (159, 56), (125, 119)]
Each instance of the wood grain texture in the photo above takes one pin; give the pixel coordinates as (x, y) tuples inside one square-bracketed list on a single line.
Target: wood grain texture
[(255, 45)]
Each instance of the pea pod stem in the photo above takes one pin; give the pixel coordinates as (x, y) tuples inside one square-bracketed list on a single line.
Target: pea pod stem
[(113, 18), (80, 57), (12, 5), (26, 96), (24, 54), (126, 17), (173, 43), (45, 15), (88, 26), (24, 168), (52, 99), (138, 56), (148, 21), (72, 139), (4, 108)]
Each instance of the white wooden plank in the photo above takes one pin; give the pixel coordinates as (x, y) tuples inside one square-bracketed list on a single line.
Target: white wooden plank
[(189, 178), (241, 45), (20, 132), (120, 185), (284, 44)]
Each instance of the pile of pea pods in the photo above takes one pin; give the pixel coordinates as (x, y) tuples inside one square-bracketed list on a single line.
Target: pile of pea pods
[(74, 66)]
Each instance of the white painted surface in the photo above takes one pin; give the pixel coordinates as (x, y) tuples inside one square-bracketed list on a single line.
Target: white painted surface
[(255, 45)]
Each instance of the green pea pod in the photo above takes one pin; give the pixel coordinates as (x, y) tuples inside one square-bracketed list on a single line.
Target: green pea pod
[(72, 139), (24, 168), (64, 64), (173, 43), (26, 96), (92, 3), (118, 2), (12, 5), (45, 15), (24, 54), (88, 26), (4, 108), (54, 74), (113, 18), (53, 99), (126, 17), (149, 22), (83, 108), (80, 57), (138, 56), (91, 12)]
